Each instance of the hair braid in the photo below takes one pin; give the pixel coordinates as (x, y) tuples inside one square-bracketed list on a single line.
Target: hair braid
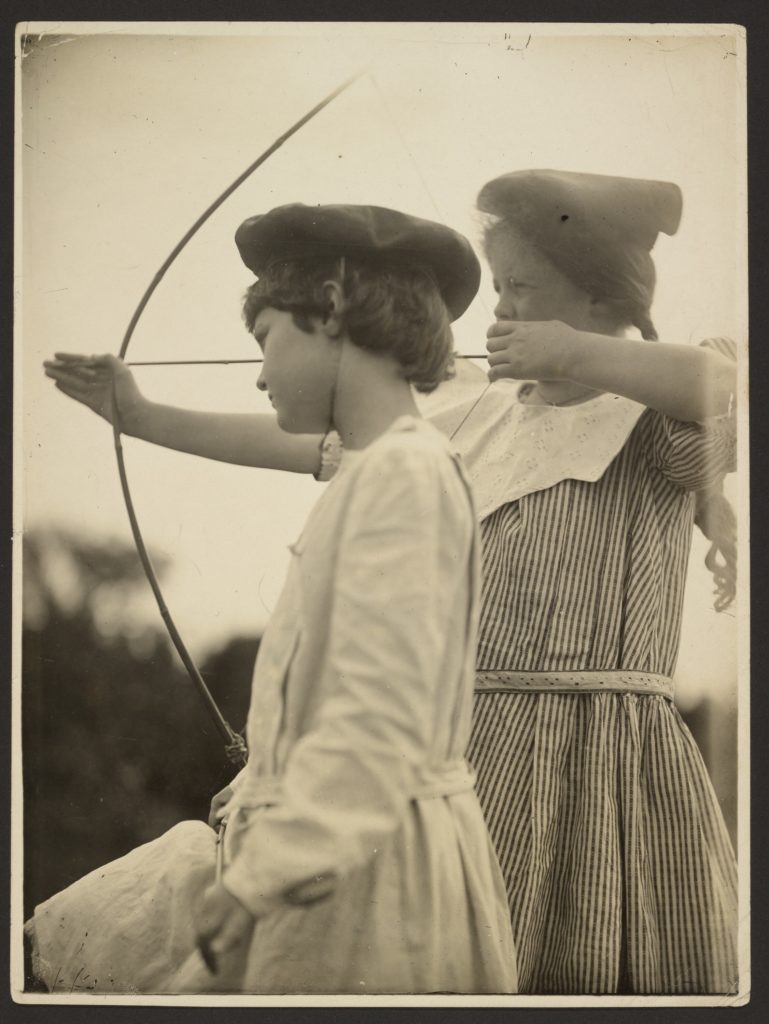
[(715, 517)]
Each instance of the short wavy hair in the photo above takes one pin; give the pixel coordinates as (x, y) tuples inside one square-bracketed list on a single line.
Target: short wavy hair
[(394, 310)]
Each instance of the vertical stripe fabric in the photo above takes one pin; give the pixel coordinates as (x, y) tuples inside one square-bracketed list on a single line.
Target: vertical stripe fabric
[(619, 870), (591, 575)]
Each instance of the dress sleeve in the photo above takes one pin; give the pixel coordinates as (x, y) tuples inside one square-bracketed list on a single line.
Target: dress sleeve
[(349, 778), (694, 456), (331, 451)]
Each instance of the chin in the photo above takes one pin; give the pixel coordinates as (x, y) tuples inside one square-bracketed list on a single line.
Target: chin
[(300, 424)]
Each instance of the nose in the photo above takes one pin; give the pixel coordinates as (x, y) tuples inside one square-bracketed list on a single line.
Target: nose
[(261, 383), (503, 311)]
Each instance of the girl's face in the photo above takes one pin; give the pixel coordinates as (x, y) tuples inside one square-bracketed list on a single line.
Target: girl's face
[(299, 371), (530, 287)]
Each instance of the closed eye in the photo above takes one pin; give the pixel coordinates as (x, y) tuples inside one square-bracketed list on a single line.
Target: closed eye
[(512, 284)]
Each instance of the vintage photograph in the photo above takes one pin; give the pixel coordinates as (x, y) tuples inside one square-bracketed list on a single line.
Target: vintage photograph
[(380, 506)]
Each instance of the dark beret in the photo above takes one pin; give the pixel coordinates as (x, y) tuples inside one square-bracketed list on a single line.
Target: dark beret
[(373, 232)]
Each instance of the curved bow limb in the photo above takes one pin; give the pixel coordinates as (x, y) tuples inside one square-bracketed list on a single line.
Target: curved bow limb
[(234, 743)]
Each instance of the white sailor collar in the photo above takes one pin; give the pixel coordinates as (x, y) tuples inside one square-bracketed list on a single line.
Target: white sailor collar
[(512, 449)]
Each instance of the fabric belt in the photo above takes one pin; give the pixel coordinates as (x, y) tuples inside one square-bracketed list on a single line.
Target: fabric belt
[(439, 780), (574, 682)]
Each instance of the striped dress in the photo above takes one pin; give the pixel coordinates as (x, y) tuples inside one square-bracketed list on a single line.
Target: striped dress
[(619, 870)]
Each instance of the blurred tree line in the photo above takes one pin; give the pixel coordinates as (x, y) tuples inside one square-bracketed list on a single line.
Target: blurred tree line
[(117, 746)]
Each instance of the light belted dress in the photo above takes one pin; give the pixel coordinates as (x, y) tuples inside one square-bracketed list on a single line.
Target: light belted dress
[(356, 781)]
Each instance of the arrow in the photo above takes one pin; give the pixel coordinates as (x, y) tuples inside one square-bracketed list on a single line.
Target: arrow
[(230, 362)]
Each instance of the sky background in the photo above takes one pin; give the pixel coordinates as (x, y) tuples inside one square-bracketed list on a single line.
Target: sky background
[(128, 132)]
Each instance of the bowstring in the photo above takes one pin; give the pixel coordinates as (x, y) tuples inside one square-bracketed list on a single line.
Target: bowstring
[(427, 191), (440, 217)]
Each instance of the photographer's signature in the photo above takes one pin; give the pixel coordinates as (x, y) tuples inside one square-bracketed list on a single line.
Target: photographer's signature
[(81, 982)]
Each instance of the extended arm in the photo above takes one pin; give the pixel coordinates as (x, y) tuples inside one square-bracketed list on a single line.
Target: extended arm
[(244, 439)]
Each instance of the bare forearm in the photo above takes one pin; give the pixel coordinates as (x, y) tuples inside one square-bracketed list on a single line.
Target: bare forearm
[(686, 382), (244, 439)]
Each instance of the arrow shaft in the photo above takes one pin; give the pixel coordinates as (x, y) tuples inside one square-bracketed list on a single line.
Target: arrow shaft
[(231, 362)]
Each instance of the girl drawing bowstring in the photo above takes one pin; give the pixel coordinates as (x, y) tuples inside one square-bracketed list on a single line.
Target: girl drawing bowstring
[(619, 869), (356, 856)]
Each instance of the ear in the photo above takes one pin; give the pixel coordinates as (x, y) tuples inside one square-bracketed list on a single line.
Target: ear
[(604, 316), (333, 321)]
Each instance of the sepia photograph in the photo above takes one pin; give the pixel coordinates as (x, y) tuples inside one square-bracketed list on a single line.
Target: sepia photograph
[(381, 570)]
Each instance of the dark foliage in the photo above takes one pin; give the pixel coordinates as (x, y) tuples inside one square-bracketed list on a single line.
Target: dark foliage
[(117, 746)]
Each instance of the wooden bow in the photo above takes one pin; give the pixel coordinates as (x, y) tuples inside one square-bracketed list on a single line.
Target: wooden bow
[(234, 743)]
